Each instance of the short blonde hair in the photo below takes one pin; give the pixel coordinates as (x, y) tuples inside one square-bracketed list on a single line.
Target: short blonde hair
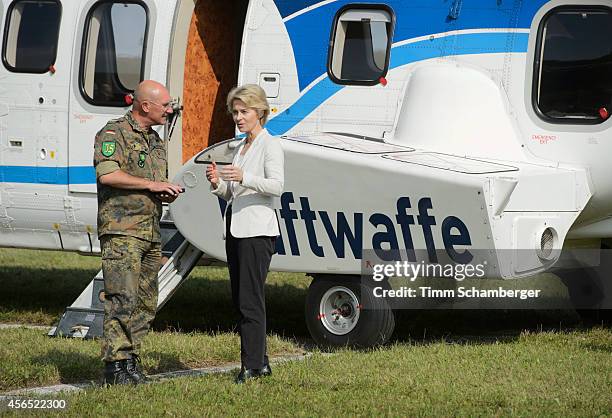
[(253, 96)]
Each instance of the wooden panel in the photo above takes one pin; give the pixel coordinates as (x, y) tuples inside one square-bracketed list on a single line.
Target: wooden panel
[(211, 68)]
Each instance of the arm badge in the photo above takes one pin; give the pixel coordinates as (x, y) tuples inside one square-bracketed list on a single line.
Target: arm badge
[(108, 148)]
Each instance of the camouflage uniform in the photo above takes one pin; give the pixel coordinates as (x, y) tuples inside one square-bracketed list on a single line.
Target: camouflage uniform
[(128, 228)]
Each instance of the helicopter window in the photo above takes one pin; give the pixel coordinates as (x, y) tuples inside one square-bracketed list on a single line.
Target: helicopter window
[(572, 82), (360, 44), (112, 61), (31, 34)]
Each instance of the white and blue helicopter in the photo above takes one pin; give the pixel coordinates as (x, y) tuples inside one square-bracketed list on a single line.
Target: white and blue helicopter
[(436, 126)]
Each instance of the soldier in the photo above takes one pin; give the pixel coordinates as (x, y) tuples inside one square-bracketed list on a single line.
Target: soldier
[(131, 168)]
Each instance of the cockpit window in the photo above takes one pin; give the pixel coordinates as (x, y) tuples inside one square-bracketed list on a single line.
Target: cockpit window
[(572, 82), (31, 35)]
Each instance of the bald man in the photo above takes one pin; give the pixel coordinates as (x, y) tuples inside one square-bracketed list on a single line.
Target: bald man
[(131, 171)]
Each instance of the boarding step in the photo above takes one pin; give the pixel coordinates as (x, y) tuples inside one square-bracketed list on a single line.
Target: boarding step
[(85, 317)]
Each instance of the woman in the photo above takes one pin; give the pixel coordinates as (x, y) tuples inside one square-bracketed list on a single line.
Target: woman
[(251, 186)]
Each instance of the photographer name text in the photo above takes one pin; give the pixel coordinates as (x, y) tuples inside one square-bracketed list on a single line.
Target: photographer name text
[(461, 292)]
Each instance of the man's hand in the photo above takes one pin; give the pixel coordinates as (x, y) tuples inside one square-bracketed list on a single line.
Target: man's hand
[(164, 191), (164, 188)]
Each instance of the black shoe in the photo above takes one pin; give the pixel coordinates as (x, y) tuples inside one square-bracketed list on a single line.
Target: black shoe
[(247, 374), (266, 370), (115, 373), (134, 371)]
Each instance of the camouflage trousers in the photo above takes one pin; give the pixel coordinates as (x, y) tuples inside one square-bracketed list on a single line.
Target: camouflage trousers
[(130, 266)]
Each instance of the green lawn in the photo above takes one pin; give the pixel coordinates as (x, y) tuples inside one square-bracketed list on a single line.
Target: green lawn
[(534, 374), (28, 358), (439, 363)]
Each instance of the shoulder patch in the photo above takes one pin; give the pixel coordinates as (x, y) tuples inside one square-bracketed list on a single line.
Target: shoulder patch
[(108, 148)]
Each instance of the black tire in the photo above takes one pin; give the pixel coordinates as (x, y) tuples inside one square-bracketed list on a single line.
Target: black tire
[(374, 325)]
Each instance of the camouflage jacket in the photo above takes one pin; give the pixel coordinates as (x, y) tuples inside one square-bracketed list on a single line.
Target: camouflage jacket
[(122, 144)]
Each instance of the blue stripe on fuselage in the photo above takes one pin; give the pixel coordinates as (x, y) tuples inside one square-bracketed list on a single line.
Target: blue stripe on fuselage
[(463, 44), (305, 105), (47, 175)]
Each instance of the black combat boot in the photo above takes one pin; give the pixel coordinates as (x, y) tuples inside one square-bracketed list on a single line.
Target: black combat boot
[(134, 371), (115, 373), (266, 370), (247, 374)]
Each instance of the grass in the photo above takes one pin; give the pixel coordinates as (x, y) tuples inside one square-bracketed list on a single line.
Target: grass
[(534, 374), (38, 285), (439, 363), (28, 358)]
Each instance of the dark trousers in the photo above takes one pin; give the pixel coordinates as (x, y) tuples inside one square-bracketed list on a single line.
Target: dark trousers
[(248, 260)]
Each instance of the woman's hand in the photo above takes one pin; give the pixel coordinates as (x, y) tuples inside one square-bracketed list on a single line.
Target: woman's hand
[(212, 175), (232, 173)]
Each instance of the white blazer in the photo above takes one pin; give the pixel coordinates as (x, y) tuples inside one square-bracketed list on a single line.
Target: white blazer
[(254, 200)]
